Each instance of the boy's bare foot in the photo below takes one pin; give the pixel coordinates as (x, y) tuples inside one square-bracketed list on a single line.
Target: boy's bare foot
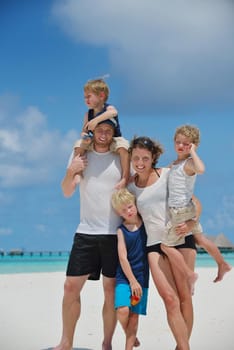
[(105, 347), (137, 342), (191, 282), (222, 269)]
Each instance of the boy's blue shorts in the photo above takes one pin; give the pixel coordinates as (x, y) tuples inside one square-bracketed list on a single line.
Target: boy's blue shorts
[(123, 298)]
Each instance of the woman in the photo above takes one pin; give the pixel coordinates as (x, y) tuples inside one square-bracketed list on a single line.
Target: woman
[(150, 189)]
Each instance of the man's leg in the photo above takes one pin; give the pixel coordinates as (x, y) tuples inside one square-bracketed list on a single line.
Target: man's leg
[(108, 312), (70, 310)]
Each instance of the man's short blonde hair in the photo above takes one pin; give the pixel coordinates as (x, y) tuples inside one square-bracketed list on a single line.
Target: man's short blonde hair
[(122, 197), (97, 86)]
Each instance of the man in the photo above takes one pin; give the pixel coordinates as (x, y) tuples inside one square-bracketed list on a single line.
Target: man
[(94, 250)]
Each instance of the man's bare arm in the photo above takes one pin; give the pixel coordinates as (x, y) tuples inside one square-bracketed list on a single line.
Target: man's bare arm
[(73, 174)]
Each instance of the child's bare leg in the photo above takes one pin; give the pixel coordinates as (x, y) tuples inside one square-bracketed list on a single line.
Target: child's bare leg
[(131, 331), (124, 316), (222, 269), (176, 259), (214, 251), (125, 165), (81, 146)]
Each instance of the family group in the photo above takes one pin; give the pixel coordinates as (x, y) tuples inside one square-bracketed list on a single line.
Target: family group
[(136, 220)]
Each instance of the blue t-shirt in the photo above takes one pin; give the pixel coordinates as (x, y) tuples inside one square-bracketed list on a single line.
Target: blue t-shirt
[(92, 116), (136, 252)]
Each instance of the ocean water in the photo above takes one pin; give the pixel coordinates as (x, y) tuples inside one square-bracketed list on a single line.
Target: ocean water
[(57, 261), (34, 262)]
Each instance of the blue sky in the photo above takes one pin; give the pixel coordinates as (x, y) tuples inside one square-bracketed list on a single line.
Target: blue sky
[(169, 63)]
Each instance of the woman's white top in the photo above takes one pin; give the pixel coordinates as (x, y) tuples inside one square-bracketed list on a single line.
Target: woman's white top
[(152, 205)]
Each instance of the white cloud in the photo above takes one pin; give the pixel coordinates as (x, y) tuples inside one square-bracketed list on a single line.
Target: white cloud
[(170, 53), (8, 106), (5, 231), (9, 140), (31, 153), (5, 198), (223, 218), (41, 228)]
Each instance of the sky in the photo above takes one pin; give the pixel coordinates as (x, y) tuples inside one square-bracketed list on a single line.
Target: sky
[(167, 63)]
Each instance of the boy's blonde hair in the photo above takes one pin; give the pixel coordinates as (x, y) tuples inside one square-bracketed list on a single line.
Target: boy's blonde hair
[(122, 197), (189, 131), (97, 86)]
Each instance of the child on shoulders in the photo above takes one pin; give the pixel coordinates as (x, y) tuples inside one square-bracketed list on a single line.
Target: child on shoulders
[(96, 93)]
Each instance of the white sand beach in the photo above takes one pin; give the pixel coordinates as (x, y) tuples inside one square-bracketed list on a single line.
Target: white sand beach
[(30, 314)]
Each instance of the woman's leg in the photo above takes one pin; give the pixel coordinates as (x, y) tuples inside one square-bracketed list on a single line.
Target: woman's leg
[(184, 291), (176, 259), (164, 282)]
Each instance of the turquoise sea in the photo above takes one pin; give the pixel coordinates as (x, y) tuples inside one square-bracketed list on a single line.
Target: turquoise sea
[(57, 261)]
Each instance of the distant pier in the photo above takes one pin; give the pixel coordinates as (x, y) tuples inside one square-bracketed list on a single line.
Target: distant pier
[(38, 253), (19, 252), (221, 249)]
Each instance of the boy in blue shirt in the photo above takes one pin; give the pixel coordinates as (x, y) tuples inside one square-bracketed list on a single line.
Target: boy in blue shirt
[(132, 276)]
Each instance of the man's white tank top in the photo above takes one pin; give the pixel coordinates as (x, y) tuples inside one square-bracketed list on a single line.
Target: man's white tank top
[(96, 187)]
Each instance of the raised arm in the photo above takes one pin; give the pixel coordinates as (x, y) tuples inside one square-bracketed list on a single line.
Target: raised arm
[(73, 174), (195, 164), (85, 121), (110, 112)]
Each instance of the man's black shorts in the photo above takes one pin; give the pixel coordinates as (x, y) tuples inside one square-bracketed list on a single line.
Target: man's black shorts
[(92, 255)]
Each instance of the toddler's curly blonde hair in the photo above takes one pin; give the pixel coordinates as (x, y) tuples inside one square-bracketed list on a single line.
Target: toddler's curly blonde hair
[(189, 131)]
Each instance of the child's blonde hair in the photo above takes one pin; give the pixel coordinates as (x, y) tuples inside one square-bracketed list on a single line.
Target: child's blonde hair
[(97, 86), (122, 197), (189, 131)]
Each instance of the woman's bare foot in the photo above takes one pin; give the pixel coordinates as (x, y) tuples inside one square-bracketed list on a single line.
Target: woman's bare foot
[(222, 269)]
